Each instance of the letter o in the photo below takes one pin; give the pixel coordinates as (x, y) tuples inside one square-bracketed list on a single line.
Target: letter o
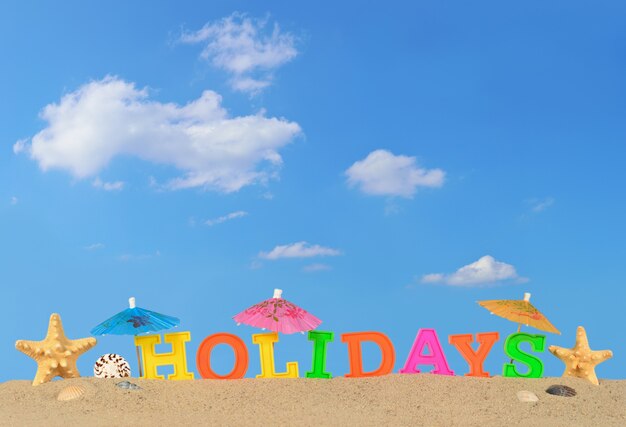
[(203, 356)]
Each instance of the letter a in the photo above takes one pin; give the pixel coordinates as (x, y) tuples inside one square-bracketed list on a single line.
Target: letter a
[(436, 356)]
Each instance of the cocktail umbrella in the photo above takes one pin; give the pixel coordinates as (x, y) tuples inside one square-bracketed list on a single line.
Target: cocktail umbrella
[(278, 315), (134, 321), (521, 312)]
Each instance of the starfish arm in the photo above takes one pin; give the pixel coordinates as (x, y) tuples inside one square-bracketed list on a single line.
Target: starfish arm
[(582, 343), (55, 327), (81, 345), (592, 378), (600, 356), (553, 349), (29, 348), (562, 353), (45, 373)]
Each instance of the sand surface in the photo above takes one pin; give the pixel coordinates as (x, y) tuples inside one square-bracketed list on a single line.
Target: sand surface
[(422, 399)]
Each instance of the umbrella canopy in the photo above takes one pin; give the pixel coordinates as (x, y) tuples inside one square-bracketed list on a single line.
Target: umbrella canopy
[(278, 315), (135, 320), (520, 311)]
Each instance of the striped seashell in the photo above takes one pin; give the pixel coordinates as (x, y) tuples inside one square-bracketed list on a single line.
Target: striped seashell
[(111, 366), (527, 396), (71, 392), (561, 390)]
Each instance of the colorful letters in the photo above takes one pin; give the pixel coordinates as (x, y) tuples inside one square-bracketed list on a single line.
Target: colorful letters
[(436, 357), (426, 350), (475, 359), (354, 352)]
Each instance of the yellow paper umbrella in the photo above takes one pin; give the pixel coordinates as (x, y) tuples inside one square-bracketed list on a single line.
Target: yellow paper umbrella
[(521, 312)]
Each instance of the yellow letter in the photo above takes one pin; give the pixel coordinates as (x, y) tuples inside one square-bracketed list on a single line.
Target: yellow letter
[(177, 358), (266, 350)]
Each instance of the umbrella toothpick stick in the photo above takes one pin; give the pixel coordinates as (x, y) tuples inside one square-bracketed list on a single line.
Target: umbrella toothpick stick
[(132, 304), (138, 361), (519, 325)]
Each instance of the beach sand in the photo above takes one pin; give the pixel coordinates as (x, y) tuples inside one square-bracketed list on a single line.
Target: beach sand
[(422, 399)]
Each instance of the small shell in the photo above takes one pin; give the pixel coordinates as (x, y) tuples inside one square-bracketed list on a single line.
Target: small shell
[(111, 366), (126, 385), (71, 392), (527, 396), (561, 390)]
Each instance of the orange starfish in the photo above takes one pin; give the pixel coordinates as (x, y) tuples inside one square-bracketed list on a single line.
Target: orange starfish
[(56, 354), (581, 360)]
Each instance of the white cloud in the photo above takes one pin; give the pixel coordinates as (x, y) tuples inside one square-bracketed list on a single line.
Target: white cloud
[(298, 250), (312, 268), (108, 186), (94, 247), (20, 146), (540, 205), (382, 173), (484, 271), (14, 201), (248, 49), (224, 218), (111, 118), (255, 265)]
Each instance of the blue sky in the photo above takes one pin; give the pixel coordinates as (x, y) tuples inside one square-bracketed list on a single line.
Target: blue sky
[(357, 156)]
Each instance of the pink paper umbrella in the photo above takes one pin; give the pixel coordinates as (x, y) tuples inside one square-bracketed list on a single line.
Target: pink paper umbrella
[(278, 315)]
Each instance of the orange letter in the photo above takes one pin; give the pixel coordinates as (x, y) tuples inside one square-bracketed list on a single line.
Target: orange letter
[(476, 359), (354, 340), (203, 356)]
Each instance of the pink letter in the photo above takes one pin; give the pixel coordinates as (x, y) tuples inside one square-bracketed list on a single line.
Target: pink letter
[(436, 356)]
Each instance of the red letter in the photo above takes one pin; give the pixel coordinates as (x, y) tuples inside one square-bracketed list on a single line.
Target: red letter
[(476, 359), (203, 356), (354, 340)]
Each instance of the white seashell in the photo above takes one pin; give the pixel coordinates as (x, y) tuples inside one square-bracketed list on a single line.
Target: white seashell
[(71, 392), (527, 396), (111, 366)]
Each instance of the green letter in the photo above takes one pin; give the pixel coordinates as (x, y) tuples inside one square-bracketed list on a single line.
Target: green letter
[(511, 348), (319, 339)]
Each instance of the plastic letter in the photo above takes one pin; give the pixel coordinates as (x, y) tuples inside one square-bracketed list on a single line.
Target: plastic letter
[(437, 358), (203, 356), (319, 338), (511, 348), (354, 339), (475, 359), (151, 360), (266, 350)]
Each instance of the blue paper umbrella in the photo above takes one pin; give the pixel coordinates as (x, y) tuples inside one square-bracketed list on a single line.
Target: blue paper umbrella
[(134, 321)]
